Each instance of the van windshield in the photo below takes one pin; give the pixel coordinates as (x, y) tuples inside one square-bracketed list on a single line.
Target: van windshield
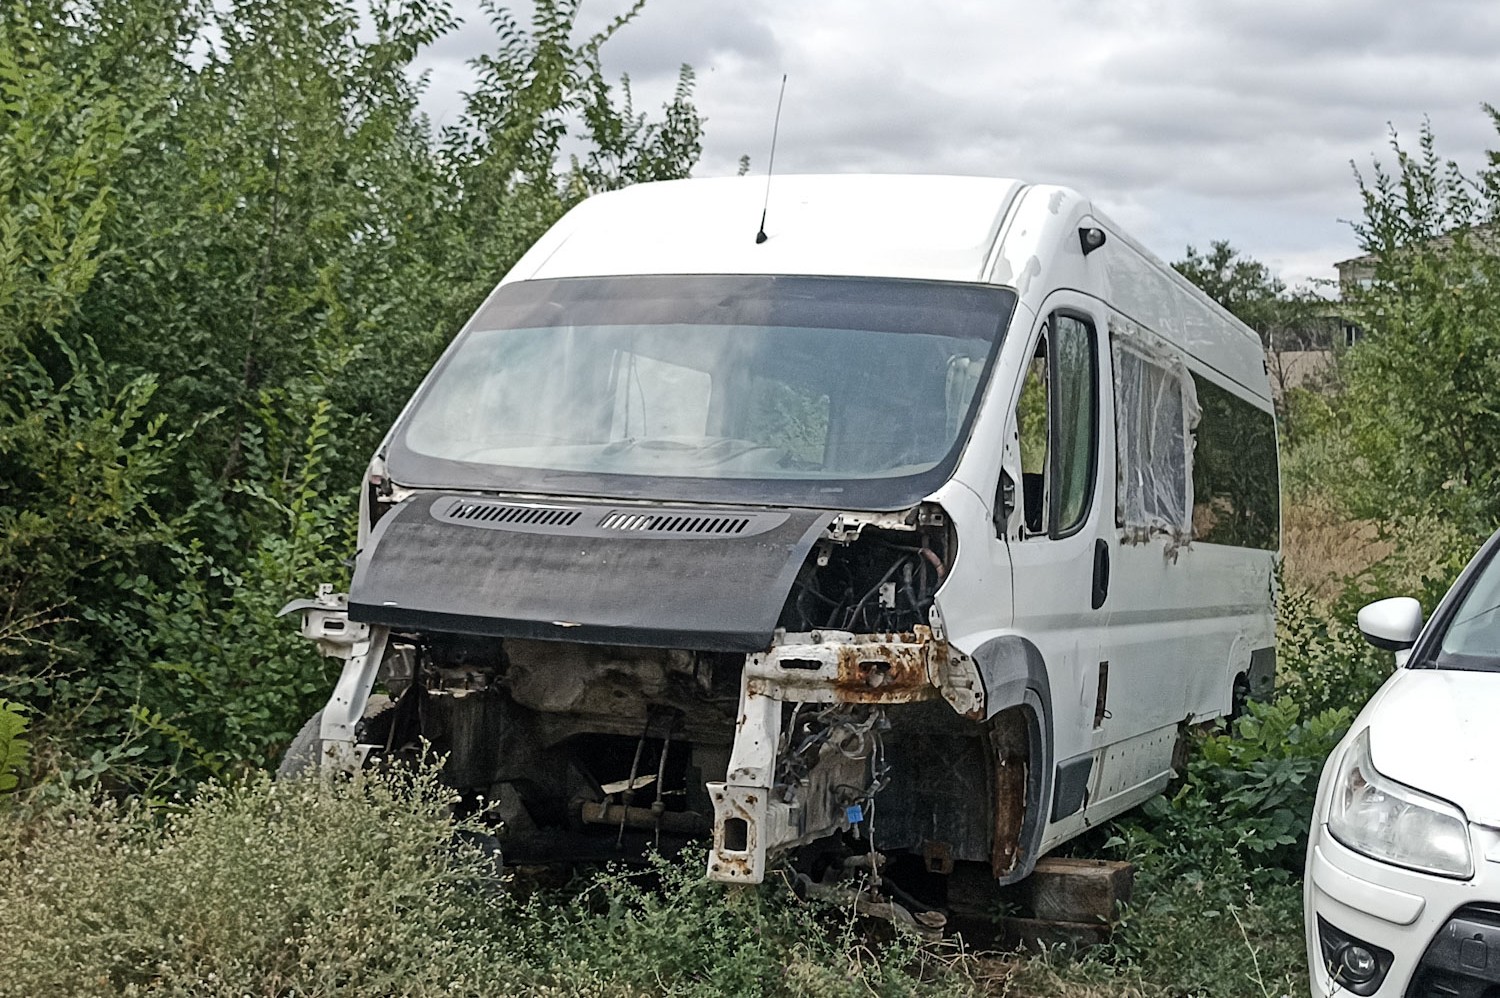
[(803, 391)]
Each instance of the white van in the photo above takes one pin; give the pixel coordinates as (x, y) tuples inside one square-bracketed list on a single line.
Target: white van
[(926, 522)]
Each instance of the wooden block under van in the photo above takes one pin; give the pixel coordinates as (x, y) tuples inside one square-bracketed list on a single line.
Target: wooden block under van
[(1063, 889)]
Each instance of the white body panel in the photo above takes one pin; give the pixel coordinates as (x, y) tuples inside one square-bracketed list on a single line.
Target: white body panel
[(1436, 731)]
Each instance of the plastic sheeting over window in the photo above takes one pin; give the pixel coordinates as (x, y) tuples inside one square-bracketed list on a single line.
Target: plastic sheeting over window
[(1156, 409)]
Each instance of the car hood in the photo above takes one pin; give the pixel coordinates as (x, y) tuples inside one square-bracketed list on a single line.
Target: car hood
[(1435, 730)]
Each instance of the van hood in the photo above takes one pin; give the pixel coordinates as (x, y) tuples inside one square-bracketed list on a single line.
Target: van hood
[(692, 577), (1435, 730)]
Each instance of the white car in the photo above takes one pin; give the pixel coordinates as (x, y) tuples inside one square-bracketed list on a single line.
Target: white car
[(1402, 893)]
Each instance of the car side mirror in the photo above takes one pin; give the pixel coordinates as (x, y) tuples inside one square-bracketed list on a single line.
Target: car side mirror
[(1391, 624)]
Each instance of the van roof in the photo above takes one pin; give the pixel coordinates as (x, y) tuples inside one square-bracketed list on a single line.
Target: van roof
[(892, 226), (929, 227)]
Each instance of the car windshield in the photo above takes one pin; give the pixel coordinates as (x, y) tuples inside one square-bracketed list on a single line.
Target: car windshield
[(810, 391), (1470, 638)]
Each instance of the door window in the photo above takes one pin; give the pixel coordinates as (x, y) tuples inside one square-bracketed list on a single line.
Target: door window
[(1075, 405), (1057, 420), (1032, 418)]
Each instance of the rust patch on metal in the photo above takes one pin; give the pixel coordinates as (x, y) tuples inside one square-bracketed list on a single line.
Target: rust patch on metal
[(880, 668), (890, 669), (1010, 762), (731, 866)]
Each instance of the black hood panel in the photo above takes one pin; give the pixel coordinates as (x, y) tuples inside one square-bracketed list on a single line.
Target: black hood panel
[(623, 575)]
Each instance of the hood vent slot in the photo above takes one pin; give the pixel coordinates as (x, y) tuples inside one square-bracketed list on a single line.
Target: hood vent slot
[(675, 523), (498, 513), (600, 520)]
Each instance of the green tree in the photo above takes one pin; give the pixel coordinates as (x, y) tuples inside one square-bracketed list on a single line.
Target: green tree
[(232, 246), (1423, 409)]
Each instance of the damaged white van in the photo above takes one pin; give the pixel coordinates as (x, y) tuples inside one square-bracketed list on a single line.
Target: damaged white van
[(913, 533)]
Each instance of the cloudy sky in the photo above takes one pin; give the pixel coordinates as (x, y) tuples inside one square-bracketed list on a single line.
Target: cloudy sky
[(1185, 120)]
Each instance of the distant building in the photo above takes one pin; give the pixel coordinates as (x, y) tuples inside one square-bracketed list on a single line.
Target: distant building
[(1355, 273), (1358, 272)]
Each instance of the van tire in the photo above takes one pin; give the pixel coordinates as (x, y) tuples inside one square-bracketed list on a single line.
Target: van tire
[(1239, 697), (301, 757)]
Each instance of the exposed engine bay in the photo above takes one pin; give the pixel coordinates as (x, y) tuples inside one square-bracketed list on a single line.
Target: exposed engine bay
[(852, 727)]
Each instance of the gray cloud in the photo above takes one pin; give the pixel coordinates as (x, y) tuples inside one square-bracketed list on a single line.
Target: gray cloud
[(1187, 121), (666, 35)]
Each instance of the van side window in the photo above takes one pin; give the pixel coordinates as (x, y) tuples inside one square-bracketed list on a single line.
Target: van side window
[(1236, 499), (1156, 409), (1031, 424), (1075, 402)]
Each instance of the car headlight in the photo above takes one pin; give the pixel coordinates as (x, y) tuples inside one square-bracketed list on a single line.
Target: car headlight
[(1395, 824)]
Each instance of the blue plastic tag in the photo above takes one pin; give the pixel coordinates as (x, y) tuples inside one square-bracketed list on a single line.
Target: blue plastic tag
[(854, 813)]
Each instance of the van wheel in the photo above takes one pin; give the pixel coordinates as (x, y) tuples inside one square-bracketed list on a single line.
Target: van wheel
[(1239, 697), (301, 757), (486, 848)]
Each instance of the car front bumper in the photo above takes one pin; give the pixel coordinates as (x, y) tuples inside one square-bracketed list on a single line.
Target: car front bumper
[(1430, 935)]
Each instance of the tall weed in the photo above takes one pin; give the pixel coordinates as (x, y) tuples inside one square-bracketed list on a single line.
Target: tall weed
[(1247, 793), (361, 887)]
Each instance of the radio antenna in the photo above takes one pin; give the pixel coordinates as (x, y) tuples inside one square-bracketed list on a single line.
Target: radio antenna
[(760, 236)]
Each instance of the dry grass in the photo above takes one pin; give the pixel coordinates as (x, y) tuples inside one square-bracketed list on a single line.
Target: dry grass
[(1322, 549), (1048, 976)]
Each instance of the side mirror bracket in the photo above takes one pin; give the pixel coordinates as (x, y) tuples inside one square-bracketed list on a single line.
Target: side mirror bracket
[(1005, 503)]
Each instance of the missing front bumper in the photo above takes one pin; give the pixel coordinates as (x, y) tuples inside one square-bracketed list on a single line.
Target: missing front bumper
[(808, 756)]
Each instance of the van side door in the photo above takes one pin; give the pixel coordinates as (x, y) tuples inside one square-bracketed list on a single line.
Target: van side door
[(1059, 458)]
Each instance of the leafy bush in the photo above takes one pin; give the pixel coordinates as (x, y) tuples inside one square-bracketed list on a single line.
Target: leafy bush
[(1248, 792), (361, 888), (78, 456), (1419, 408), (14, 748), (1324, 663)]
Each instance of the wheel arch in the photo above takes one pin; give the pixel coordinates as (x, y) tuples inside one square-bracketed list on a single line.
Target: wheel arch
[(1014, 675)]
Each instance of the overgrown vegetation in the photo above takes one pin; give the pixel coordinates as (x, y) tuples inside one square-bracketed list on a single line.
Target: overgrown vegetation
[(14, 747), (358, 888), (229, 247)]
